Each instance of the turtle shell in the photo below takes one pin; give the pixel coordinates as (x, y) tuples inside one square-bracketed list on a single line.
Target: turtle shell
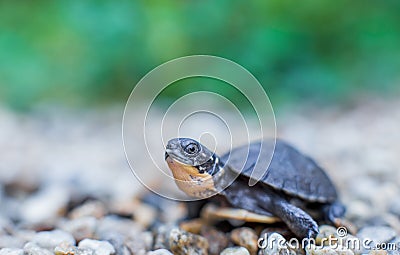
[(289, 171)]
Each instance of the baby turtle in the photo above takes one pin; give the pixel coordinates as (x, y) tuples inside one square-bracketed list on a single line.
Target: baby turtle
[(293, 183)]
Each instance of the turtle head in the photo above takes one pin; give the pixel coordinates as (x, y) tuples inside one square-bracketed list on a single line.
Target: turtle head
[(193, 166)]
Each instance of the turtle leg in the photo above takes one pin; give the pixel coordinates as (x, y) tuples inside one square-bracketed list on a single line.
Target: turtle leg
[(297, 220), (334, 212)]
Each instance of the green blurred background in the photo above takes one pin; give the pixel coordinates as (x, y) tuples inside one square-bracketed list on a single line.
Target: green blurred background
[(85, 53)]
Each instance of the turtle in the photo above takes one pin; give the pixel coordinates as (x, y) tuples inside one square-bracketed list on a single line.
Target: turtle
[(293, 187)]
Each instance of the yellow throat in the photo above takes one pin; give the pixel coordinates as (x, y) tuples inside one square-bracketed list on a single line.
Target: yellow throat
[(190, 181)]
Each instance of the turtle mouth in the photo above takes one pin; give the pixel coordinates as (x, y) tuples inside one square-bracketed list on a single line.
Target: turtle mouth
[(171, 154)]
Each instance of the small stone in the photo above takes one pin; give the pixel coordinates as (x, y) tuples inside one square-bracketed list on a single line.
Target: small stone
[(44, 206), (6, 226), (161, 238), (11, 251), (182, 242), (10, 241), (51, 239), (283, 231), (67, 249), (245, 237), (159, 252), (140, 244), (117, 241), (378, 252), (395, 207), (235, 251), (89, 209), (358, 209), (327, 250), (32, 248), (217, 240), (325, 235), (272, 244), (80, 228), (99, 247), (193, 226), (377, 234), (115, 224), (144, 214)]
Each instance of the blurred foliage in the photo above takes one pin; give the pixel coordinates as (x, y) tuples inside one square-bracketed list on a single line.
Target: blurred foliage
[(84, 52)]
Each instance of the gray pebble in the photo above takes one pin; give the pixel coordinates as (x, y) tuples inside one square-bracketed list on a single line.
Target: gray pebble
[(140, 244), (395, 207), (377, 234), (235, 251), (51, 239), (115, 224), (44, 206), (99, 247), (11, 251), (217, 240), (10, 241), (161, 239), (80, 228), (6, 226), (31, 248), (159, 252), (327, 250)]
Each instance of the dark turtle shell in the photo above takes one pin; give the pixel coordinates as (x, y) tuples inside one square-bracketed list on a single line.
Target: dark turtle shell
[(289, 171)]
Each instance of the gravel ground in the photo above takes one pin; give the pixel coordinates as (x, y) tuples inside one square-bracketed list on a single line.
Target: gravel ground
[(66, 187)]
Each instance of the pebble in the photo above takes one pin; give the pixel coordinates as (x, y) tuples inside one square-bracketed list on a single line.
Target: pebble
[(44, 206), (193, 226), (377, 234), (378, 252), (358, 210), (80, 228), (327, 250), (140, 244), (326, 232), (117, 241), (235, 251), (159, 252), (116, 224), (161, 239), (394, 207), (8, 241), (6, 226), (217, 240), (93, 208), (32, 248), (11, 251), (144, 214), (272, 244), (67, 249), (245, 237), (51, 239), (182, 242), (99, 247)]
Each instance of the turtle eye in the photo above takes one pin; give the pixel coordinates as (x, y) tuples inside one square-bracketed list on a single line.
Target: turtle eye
[(191, 148)]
